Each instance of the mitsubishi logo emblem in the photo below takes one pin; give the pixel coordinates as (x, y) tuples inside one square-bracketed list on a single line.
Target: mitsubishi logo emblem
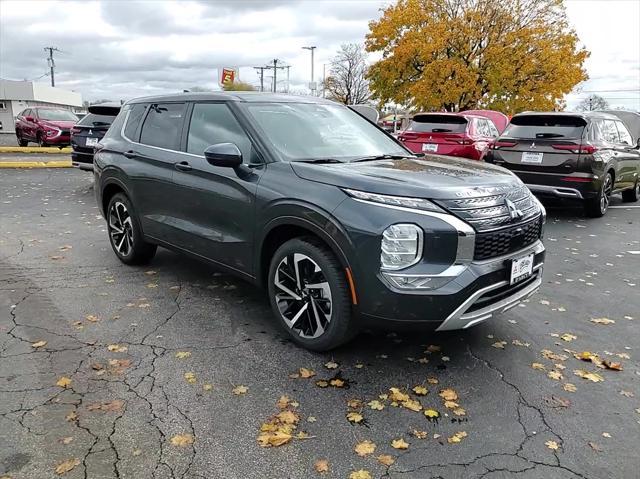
[(90, 132), (533, 145), (513, 210)]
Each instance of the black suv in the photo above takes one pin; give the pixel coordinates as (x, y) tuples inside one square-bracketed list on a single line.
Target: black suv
[(342, 224), (86, 134), (585, 156)]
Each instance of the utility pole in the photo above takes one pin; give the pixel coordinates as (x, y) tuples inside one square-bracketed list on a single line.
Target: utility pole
[(275, 69), (262, 69), (51, 63), (312, 86)]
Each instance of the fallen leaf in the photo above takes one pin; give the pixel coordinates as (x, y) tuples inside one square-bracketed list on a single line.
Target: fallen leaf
[(459, 411), (190, 377), (612, 365), (602, 321), (568, 337), (457, 437), (595, 446), (321, 383), (594, 377), (116, 348), (283, 402), (376, 405), (448, 395), (364, 448), (354, 403), (182, 440), (431, 413), (239, 390), (183, 354), (55, 258), (386, 459), (399, 444), (39, 344), (92, 318), (66, 440), (331, 365), (420, 390), (321, 466), (288, 417), (66, 466), (397, 395), (355, 417), (419, 434), (555, 375), (538, 366), (627, 394), (606, 434), (71, 416), (553, 445), (553, 356), (360, 474), (63, 382), (336, 383), (499, 344), (569, 387), (432, 380), (207, 387), (136, 452), (306, 373)]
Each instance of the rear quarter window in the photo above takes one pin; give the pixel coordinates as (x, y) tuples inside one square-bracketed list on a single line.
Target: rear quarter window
[(437, 124), (136, 112), (545, 126)]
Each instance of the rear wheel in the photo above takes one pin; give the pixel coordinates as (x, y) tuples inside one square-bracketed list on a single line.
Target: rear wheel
[(310, 296), (598, 206), (632, 195), (125, 233)]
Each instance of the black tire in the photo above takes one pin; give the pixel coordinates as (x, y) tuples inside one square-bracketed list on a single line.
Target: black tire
[(41, 142), (632, 195), (125, 234), (21, 141), (597, 207), (340, 326)]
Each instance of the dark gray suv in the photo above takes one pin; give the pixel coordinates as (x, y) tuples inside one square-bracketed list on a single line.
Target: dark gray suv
[(343, 226)]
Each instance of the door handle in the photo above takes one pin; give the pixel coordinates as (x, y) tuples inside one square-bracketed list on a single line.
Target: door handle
[(130, 154), (183, 166)]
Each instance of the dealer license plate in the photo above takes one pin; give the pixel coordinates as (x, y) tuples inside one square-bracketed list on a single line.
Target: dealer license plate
[(429, 147), (521, 268), (529, 157), (91, 141)]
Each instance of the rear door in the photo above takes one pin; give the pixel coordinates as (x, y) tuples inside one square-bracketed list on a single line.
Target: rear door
[(153, 152), (28, 127), (435, 133), (216, 214), (628, 157), (541, 144)]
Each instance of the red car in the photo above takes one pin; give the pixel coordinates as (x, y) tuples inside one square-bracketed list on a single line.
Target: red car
[(45, 126), (453, 134)]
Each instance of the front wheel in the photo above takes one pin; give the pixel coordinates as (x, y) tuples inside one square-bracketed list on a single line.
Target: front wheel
[(41, 142), (632, 195), (310, 296), (598, 206), (125, 233), (21, 141)]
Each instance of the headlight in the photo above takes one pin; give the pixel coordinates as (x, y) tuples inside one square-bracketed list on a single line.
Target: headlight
[(401, 246), (402, 201)]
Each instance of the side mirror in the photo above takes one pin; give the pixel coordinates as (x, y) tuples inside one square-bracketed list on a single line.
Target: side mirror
[(638, 144), (223, 154)]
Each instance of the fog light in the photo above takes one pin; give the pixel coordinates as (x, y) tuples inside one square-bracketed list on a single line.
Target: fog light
[(401, 246)]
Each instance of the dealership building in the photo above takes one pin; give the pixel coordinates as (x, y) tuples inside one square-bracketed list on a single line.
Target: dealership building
[(15, 96)]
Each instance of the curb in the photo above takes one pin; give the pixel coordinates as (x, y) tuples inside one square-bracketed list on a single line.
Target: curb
[(36, 164), (33, 149)]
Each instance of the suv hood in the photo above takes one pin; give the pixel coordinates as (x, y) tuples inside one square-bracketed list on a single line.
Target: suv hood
[(64, 124), (431, 177)]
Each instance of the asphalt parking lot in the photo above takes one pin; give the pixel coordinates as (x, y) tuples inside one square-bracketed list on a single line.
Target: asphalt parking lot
[(142, 371)]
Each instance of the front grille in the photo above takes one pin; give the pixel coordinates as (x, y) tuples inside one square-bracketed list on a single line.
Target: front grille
[(507, 240), (65, 132)]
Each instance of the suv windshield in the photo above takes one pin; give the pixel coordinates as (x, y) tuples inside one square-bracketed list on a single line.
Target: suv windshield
[(64, 115), (304, 131), (437, 124), (545, 126), (96, 120)]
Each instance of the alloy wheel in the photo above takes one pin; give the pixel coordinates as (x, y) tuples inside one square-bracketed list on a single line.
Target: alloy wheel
[(303, 295), (120, 228), (606, 194)]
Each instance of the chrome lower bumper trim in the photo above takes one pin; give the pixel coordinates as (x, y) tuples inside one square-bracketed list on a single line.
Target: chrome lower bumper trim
[(459, 319), (559, 191)]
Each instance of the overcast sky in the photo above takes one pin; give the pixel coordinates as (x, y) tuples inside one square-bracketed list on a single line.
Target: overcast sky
[(123, 49)]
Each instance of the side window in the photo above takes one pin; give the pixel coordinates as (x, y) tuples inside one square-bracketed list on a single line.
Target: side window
[(135, 116), (493, 129), (609, 131), (213, 123), (34, 113), (163, 125), (26, 112), (625, 136)]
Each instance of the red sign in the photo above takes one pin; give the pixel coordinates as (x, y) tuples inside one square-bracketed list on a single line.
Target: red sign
[(228, 76)]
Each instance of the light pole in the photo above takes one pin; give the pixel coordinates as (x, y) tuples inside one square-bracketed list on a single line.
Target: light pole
[(312, 85)]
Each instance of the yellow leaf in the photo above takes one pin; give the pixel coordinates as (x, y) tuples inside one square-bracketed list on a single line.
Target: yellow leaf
[(116, 348), (360, 474), (71, 416), (448, 395), (321, 466), (207, 387), (602, 321), (183, 354), (283, 402), (538, 366), (499, 344), (594, 377), (354, 403), (612, 365), (190, 377), (331, 365), (66, 440), (239, 390), (399, 444), (38, 344), (431, 413), (321, 383), (555, 375), (451, 404), (553, 445), (420, 390), (306, 373), (376, 405), (412, 405), (432, 380), (335, 382), (354, 417), (365, 448), (92, 318), (419, 434), (63, 382), (288, 417), (459, 411), (457, 437), (397, 395), (182, 440), (386, 459), (275, 439), (568, 337), (66, 466), (569, 387)]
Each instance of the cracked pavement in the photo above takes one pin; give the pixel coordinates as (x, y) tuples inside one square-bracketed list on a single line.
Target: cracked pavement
[(121, 409)]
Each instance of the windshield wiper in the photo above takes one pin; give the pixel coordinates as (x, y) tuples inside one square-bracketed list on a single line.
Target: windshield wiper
[(380, 157), (319, 160)]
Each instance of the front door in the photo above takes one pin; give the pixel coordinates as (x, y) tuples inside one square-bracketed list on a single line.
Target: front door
[(216, 204)]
